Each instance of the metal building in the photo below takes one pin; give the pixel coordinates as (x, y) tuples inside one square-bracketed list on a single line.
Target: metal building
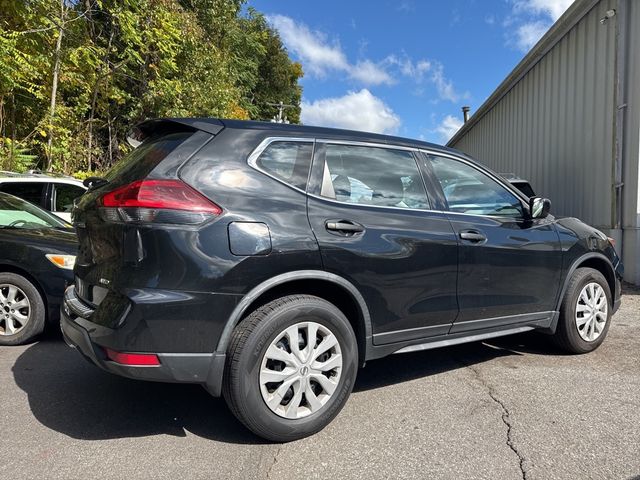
[(567, 118)]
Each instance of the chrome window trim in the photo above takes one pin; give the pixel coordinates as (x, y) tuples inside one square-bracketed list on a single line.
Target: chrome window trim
[(364, 205), (356, 143), (255, 154), (252, 160)]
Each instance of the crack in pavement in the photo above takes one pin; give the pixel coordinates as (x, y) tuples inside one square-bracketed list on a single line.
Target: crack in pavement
[(506, 419), (275, 460)]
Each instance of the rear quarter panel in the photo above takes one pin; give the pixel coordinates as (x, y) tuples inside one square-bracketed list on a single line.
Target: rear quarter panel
[(220, 172)]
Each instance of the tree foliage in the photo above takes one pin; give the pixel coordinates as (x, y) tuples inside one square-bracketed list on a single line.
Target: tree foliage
[(75, 75)]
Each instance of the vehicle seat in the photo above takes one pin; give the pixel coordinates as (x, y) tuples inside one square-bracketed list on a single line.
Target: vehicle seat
[(342, 188), (389, 192)]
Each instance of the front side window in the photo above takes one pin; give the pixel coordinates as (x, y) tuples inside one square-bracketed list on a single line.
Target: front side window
[(372, 176), (288, 161), (64, 196), (468, 190)]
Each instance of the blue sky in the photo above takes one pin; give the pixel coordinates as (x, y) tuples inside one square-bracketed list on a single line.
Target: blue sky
[(405, 67)]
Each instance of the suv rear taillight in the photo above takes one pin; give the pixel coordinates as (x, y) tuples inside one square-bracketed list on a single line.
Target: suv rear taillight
[(157, 201)]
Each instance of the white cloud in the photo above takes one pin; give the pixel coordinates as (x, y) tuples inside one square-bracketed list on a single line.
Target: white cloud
[(532, 19), (406, 6), (417, 71), (551, 8), (370, 73), (444, 86), (311, 47), (355, 110), (448, 127), (409, 68), (320, 57), (528, 34)]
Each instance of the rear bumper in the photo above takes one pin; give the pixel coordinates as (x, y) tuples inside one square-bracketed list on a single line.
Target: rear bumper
[(83, 335)]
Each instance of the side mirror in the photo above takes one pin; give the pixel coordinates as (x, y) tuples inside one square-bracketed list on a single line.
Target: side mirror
[(94, 182), (539, 207)]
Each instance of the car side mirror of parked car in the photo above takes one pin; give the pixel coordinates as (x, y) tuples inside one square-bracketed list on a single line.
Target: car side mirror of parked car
[(539, 207)]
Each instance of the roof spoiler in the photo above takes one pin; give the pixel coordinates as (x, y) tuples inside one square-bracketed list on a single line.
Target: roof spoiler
[(168, 125)]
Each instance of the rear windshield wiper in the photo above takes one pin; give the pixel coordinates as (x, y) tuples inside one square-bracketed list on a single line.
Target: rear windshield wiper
[(94, 182)]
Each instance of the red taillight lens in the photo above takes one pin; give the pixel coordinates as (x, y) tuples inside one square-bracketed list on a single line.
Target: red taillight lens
[(165, 194), (159, 201), (133, 359)]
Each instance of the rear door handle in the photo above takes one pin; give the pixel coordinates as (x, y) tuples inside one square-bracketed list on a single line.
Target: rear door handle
[(344, 226), (473, 236)]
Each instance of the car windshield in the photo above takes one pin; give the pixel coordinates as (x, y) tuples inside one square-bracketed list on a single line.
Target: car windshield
[(18, 213)]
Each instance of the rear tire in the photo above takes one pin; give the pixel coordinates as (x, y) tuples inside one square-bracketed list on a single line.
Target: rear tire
[(281, 390), (22, 311), (585, 313)]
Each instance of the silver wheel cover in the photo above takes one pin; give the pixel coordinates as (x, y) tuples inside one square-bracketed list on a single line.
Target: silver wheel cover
[(300, 370), (591, 311), (15, 309)]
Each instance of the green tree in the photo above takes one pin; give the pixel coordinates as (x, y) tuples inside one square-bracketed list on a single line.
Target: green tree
[(76, 75)]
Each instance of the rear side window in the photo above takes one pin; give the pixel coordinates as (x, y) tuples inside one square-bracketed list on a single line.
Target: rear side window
[(287, 161), (146, 157), (373, 176), (29, 191)]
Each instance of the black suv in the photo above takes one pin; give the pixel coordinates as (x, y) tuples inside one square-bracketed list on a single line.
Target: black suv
[(268, 262)]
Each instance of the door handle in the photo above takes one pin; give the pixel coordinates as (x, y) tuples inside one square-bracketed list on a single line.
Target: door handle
[(344, 226), (473, 236)]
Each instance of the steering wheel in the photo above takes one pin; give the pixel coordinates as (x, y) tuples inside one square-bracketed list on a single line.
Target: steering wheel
[(17, 222)]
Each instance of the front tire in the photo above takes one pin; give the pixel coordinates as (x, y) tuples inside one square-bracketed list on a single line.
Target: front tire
[(585, 313), (291, 366), (22, 311)]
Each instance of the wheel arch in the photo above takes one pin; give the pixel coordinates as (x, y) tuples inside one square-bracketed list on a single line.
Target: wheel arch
[(328, 286), (598, 262)]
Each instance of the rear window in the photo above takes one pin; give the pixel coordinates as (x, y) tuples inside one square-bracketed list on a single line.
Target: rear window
[(29, 191), (146, 157), (287, 161)]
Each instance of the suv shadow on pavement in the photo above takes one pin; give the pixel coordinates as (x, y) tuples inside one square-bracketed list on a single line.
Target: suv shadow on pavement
[(77, 399)]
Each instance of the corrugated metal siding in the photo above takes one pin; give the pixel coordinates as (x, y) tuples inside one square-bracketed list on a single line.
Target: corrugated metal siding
[(555, 127), (631, 171)]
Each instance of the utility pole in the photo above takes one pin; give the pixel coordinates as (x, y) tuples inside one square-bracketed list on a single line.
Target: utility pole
[(280, 118)]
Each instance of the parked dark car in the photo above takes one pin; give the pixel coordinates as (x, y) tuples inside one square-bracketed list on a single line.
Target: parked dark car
[(268, 262), (37, 253)]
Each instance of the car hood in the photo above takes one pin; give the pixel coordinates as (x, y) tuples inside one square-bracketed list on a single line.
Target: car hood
[(578, 238), (62, 240), (581, 229)]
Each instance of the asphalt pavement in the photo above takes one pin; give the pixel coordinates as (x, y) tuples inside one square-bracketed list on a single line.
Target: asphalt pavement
[(511, 408)]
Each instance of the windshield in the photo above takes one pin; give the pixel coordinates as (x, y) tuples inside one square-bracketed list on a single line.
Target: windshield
[(18, 213)]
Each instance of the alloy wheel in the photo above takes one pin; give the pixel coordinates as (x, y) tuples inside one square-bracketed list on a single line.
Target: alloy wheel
[(15, 309)]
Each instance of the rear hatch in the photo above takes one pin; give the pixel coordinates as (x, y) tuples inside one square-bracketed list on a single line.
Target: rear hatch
[(115, 221)]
